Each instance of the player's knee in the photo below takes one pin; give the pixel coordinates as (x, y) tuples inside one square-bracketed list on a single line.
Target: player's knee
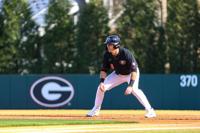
[(101, 90), (135, 89)]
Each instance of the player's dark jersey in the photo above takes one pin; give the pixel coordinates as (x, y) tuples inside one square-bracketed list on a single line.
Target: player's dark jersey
[(124, 63)]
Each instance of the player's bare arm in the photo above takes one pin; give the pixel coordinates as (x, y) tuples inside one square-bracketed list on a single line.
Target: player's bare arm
[(103, 75), (130, 86)]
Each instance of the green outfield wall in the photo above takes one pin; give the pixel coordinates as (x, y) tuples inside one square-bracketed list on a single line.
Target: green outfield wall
[(78, 92)]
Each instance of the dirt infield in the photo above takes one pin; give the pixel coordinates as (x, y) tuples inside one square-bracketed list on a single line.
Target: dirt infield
[(132, 116), (134, 121)]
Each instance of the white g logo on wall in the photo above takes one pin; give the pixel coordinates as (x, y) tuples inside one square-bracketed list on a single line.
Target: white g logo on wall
[(52, 91)]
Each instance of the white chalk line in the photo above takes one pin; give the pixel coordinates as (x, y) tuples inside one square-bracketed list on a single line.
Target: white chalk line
[(98, 128)]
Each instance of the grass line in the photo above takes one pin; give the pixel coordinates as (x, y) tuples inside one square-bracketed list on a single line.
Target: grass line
[(46, 122)]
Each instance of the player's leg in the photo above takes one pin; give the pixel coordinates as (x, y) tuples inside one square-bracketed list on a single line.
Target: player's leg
[(138, 93), (110, 82)]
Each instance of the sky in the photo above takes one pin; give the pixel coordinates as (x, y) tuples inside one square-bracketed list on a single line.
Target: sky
[(1, 3), (40, 7)]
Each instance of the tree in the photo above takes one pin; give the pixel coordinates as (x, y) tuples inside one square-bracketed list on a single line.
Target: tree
[(9, 36), (29, 56), (91, 31), (183, 36), (58, 42), (142, 35)]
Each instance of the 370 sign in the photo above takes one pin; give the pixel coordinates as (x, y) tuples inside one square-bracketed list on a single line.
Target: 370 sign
[(188, 80)]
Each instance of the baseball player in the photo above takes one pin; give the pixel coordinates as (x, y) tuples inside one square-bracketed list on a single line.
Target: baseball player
[(125, 69)]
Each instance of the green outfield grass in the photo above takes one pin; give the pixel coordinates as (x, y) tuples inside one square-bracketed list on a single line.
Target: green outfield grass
[(61, 121), (47, 122)]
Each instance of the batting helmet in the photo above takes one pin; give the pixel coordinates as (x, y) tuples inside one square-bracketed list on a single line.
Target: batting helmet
[(114, 40)]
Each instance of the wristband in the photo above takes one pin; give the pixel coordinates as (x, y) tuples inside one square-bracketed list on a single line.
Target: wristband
[(102, 80), (131, 82)]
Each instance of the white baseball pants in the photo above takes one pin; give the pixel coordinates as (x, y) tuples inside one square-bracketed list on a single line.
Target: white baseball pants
[(114, 80)]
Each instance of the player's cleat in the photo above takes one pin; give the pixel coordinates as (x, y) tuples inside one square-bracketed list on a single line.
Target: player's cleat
[(150, 113), (93, 112)]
